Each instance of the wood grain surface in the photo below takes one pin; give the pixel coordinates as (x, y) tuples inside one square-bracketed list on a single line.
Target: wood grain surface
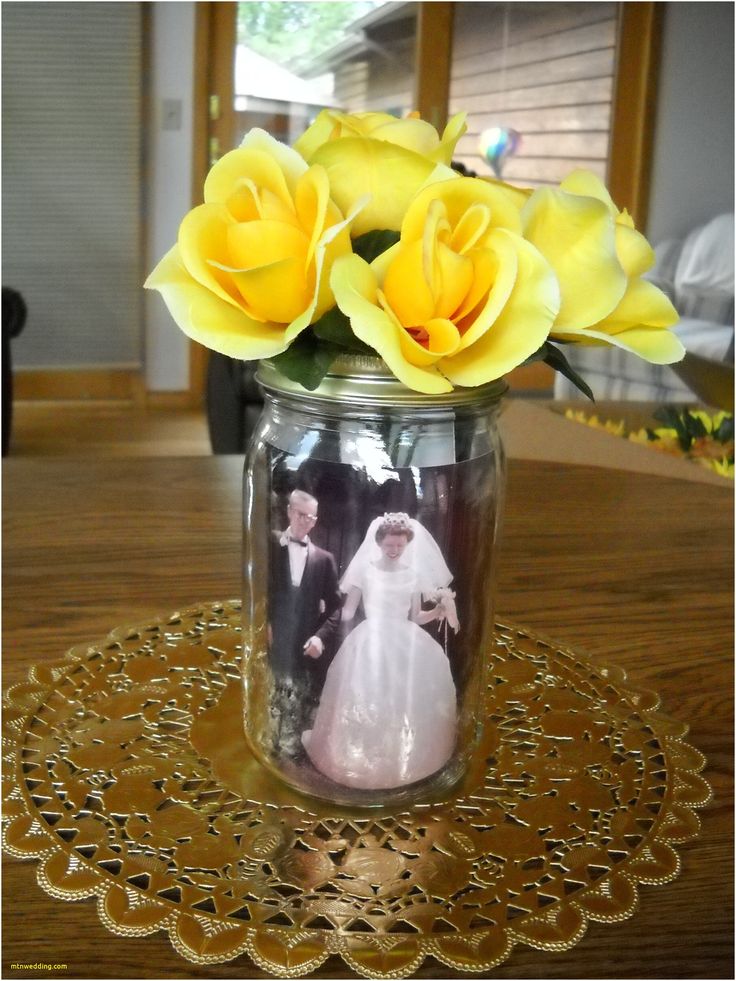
[(632, 568)]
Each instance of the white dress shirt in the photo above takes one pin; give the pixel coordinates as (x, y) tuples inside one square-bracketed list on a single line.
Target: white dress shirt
[(298, 554)]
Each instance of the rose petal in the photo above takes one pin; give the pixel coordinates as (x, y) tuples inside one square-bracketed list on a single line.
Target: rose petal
[(406, 288), (258, 166), (495, 272), (441, 338), (642, 305), (356, 291), (209, 320), (277, 292), (202, 241), (587, 184), (576, 236), (455, 128), (259, 243), (311, 199), (413, 134), (315, 135), (389, 174), (650, 343), (633, 251), (485, 273), (520, 328), (460, 195)]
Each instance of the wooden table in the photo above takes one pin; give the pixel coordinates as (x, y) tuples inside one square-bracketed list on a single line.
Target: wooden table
[(632, 567)]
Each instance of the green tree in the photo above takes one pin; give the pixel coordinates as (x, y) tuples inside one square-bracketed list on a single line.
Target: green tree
[(292, 32)]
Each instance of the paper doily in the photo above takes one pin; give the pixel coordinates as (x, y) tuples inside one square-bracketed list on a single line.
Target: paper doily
[(128, 777)]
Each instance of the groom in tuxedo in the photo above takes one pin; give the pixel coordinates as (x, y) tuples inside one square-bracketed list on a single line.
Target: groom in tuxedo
[(304, 612)]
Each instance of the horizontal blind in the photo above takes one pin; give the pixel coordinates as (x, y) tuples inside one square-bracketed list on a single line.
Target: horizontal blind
[(72, 115)]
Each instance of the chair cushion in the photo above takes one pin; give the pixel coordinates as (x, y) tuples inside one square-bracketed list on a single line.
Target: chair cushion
[(707, 258), (707, 338), (713, 305)]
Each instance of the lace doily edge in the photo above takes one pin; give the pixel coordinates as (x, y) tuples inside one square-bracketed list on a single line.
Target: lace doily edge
[(291, 955)]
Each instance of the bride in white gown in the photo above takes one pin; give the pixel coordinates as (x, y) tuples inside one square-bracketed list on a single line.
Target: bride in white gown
[(387, 714)]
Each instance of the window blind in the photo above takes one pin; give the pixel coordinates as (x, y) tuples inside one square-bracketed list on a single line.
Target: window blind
[(71, 169)]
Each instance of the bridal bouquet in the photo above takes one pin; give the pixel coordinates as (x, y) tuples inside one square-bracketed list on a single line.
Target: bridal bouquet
[(362, 238), (444, 599)]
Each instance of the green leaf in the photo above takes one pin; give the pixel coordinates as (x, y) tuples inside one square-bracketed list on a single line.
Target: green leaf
[(334, 327), (674, 419), (539, 354), (695, 426), (554, 357), (669, 416), (724, 433), (372, 244), (307, 360)]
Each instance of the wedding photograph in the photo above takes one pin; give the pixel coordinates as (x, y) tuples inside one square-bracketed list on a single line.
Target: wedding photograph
[(370, 615), (368, 471)]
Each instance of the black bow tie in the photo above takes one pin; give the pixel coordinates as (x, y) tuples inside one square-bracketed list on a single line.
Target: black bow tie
[(295, 541)]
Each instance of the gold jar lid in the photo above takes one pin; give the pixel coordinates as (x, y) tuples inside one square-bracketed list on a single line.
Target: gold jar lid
[(358, 379)]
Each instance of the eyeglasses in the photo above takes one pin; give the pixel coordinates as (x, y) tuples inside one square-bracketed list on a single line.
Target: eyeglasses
[(302, 514)]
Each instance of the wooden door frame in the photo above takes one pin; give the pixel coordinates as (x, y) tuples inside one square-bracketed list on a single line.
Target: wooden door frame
[(634, 105), (433, 61), (214, 32)]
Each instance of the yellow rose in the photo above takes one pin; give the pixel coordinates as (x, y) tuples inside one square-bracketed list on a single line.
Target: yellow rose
[(376, 155), (599, 258), (461, 298), (250, 270)]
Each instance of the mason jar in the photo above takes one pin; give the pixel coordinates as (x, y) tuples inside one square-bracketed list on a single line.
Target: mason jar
[(371, 515)]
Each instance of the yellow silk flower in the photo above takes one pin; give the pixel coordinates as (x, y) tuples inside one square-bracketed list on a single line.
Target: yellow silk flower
[(380, 157), (251, 266), (461, 299), (599, 259)]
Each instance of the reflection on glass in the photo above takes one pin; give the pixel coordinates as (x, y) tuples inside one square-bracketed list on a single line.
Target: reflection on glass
[(294, 58)]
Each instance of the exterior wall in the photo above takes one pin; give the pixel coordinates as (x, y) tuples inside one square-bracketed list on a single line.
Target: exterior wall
[(377, 83), (545, 70)]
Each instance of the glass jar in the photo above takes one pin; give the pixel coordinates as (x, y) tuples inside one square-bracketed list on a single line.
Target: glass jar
[(371, 515)]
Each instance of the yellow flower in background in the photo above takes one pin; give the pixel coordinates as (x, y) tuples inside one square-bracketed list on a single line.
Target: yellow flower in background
[(251, 266), (607, 425), (599, 259), (711, 423), (461, 299), (723, 467), (380, 157), (663, 439)]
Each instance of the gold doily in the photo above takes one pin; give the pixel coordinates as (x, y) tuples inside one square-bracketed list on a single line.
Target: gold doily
[(128, 777)]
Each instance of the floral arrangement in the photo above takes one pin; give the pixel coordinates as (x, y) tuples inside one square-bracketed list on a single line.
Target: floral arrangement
[(693, 433), (362, 238), (444, 599)]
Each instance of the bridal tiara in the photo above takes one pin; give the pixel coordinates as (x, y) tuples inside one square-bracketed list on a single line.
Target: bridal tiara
[(399, 519), (395, 522)]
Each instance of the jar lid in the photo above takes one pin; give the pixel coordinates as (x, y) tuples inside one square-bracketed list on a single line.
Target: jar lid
[(363, 380)]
